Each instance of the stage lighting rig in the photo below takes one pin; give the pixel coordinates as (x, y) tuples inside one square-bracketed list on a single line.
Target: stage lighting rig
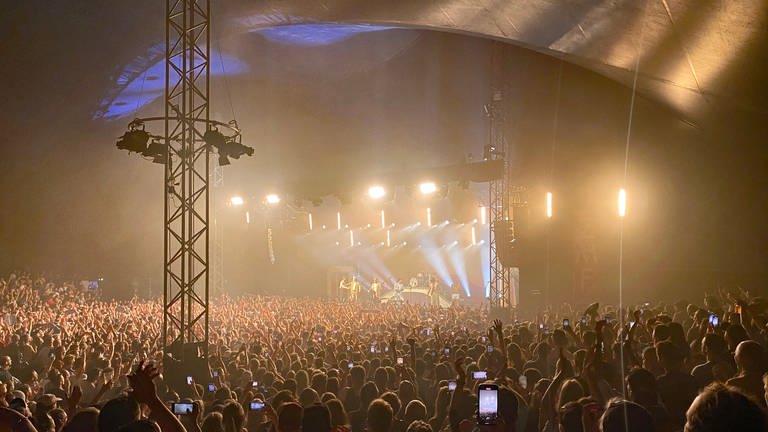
[(491, 152), (227, 147), (135, 139), (214, 138), (157, 151)]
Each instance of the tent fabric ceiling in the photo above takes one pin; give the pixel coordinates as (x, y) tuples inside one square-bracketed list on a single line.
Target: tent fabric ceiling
[(693, 55)]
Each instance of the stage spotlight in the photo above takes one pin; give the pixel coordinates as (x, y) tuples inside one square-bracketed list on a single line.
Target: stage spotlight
[(622, 203), (338, 220), (215, 139), (389, 239), (226, 146), (429, 217), (474, 236), (134, 141), (376, 192), (157, 151), (247, 217), (234, 149), (309, 218), (549, 205), (428, 188), (272, 199), (483, 215), (236, 201)]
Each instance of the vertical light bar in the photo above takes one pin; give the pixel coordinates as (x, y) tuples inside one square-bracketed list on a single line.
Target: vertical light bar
[(389, 239), (309, 219), (549, 205), (383, 220), (338, 220), (247, 217), (351, 238), (622, 203), (429, 217), (474, 236), (483, 215)]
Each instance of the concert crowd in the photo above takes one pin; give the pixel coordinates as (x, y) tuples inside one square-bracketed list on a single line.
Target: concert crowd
[(72, 362)]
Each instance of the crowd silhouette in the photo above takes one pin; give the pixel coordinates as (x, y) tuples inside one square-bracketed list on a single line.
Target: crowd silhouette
[(70, 361)]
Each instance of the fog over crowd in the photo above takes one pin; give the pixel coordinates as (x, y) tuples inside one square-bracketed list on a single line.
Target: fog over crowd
[(72, 361)]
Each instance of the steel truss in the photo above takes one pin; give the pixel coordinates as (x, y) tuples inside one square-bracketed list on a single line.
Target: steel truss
[(217, 266), (498, 205), (187, 169)]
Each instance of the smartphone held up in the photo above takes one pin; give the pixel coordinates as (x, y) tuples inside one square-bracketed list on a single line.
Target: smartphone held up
[(487, 404)]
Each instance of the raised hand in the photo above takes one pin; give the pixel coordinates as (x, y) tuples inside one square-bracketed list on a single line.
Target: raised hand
[(142, 387), (499, 327)]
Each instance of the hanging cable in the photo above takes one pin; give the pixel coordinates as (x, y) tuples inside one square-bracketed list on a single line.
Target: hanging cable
[(141, 92), (550, 180), (621, 312), (226, 80)]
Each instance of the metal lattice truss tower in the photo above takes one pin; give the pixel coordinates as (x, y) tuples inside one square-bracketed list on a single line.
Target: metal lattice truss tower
[(217, 266), (187, 168), (498, 205)]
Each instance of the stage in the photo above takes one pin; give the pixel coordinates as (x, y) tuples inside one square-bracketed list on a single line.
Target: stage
[(412, 296)]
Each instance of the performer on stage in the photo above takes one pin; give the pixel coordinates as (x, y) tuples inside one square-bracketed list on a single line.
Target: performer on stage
[(433, 292), (354, 289), (398, 288), (344, 290), (374, 290)]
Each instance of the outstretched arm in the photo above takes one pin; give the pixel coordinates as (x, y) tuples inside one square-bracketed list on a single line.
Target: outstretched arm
[(457, 396), (144, 391)]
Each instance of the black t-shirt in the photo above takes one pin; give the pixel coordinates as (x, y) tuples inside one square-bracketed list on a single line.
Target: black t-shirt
[(677, 391), (351, 400)]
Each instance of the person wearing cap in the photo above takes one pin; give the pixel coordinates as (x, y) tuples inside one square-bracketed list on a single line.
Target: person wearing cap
[(20, 405), (46, 403), (20, 395)]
